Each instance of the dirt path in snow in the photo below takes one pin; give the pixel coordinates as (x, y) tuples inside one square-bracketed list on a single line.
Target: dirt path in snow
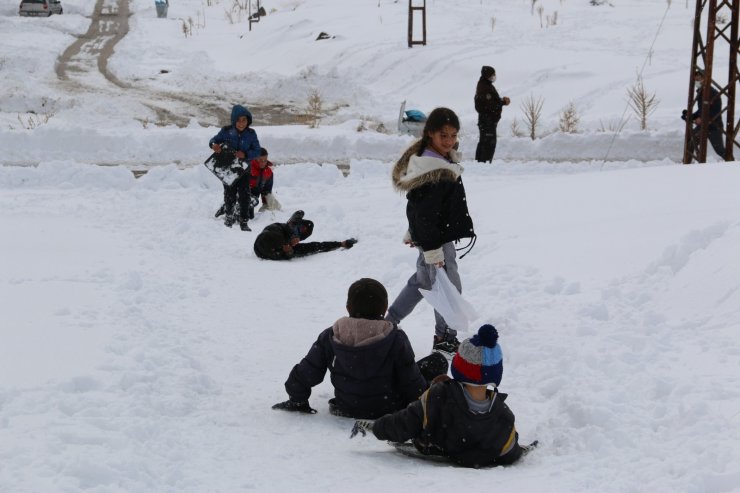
[(83, 67)]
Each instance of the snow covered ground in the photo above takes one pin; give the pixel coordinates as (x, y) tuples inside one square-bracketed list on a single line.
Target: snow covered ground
[(142, 343)]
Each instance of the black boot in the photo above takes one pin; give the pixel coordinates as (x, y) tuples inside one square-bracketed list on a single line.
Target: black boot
[(220, 211), (230, 218), (243, 225), (296, 217)]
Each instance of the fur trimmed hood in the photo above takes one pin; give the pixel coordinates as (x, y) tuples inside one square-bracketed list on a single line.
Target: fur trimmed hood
[(412, 171), (356, 332)]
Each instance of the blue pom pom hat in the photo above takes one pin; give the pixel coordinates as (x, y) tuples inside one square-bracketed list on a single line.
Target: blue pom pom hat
[(479, 360)]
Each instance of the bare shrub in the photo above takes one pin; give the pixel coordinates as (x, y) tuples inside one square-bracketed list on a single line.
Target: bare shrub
[(516, 131), (186, 28), (569, 119), (493, 23), (540, 10), (552, 20), (533, 4), (532, 109), (315, 105), (613, 125), (642, 103), (33, 120)]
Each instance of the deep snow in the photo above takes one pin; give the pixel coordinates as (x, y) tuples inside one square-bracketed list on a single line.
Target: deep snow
[(142, 343)]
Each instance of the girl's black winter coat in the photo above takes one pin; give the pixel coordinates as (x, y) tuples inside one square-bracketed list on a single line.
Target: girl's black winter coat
[(437, 209)]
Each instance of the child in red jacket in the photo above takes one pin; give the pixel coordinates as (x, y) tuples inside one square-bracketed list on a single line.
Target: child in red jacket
[(261, 180)]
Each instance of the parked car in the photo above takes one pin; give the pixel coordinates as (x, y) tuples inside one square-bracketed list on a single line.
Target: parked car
[(37, 8)]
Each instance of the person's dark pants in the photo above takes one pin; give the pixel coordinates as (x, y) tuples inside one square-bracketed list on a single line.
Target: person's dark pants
[(237, 192), (714, 135), (262, 187), (486, 143)]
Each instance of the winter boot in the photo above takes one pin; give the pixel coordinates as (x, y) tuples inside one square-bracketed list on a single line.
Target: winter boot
[(296, 218), (243, 225), (229, 220), (433, 365), (447, 343), (220, 211)]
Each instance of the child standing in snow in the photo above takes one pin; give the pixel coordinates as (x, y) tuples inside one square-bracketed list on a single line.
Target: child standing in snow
[(437, 212), (370, 360), (282, 241), (459, 418), (243, 139)]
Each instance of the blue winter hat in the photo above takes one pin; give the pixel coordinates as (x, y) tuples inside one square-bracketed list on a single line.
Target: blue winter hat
[(479, 359)]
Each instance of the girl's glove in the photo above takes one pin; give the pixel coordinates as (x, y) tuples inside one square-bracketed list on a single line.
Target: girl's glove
[(295, 406), (361, 426)]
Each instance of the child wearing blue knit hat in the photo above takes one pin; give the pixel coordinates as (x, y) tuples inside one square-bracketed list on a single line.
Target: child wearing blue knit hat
[(460, 418)]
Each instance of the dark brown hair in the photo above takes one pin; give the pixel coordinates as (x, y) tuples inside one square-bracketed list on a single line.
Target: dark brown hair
[(438, 118), (367, 298)]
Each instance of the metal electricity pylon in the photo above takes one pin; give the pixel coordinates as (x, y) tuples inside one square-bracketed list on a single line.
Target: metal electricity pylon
[(720, 19)]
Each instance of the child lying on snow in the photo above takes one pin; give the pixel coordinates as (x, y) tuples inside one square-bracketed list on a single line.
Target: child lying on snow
[(459, 418), (370, 360), (282, 241)]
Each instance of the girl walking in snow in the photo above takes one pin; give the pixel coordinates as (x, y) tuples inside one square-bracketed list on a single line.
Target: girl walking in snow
[(437, 212)]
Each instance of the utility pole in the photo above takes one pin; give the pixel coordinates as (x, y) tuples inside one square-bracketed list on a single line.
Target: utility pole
[(720, 18)]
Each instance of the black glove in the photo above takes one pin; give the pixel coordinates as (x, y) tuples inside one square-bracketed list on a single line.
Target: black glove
[(254, 200), (361, 426), (349, 243), (295, 406), (683, 114)]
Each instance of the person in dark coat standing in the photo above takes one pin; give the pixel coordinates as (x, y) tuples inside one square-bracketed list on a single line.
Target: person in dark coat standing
[(243, 139), (459, 418), (437, 213), (489, 105), (282, 241), (714, 130), (370, 360)]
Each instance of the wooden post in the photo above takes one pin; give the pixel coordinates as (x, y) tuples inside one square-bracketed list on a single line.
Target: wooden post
[(417, 8)]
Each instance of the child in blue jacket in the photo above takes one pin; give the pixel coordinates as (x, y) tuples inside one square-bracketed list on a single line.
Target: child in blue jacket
[(240, 137)]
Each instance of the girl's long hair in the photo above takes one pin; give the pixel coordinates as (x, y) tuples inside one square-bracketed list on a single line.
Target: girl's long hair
[(438, 118)]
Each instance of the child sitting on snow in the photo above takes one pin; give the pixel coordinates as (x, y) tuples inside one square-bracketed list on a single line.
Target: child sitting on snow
[(370, 360), (282, 241), (459, 418), (260, 182)]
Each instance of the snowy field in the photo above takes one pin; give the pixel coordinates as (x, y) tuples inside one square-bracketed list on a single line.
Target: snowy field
[(142, 343)]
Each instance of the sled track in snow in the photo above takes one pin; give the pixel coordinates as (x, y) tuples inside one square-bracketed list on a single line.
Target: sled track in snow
[(83, 68)]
